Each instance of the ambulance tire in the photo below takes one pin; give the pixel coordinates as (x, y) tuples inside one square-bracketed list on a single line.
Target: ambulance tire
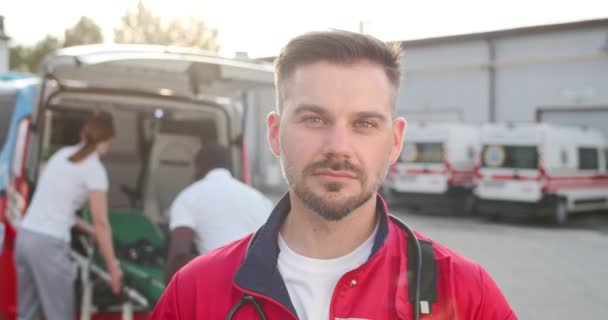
[(560, 216), (494, 216), (469, 208)]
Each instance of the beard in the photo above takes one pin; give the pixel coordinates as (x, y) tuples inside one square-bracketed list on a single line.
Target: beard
[(329, 204)]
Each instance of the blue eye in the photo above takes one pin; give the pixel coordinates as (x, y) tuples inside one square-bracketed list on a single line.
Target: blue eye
[(364, 124), (314, 120)]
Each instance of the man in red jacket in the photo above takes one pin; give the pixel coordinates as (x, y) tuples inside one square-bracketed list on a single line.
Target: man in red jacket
[(329, 250)]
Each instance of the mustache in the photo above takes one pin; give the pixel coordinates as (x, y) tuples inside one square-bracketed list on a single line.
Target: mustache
[(333, 164)]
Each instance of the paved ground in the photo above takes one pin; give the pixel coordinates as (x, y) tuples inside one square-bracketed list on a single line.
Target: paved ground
[(545, 272)]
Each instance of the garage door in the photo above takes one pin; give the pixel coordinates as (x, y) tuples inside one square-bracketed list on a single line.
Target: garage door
[(596, 117)]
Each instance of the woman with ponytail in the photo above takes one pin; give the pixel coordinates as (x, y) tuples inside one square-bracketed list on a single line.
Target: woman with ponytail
[(73, 175)]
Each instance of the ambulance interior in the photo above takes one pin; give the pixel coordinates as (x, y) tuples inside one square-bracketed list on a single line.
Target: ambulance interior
[(150, 161), (152, 154)]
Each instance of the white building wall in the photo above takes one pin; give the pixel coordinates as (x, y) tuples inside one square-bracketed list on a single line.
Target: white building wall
[(445, 81), (552, 69), (562, 68)]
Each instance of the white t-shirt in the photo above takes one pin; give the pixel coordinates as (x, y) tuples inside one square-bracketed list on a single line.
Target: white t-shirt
[(311, 282), (63, 189), (219, 209)]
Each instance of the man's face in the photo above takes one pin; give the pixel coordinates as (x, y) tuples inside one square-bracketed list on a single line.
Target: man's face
[(336, 137)]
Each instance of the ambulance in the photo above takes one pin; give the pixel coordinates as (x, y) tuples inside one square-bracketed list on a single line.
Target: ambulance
[(17, 95), (435, 167), (540, 169), (166, 103)]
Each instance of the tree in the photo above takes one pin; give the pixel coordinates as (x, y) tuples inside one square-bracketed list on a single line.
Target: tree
[(44, 47), (143, 27), (28, 59), (19, 56), (192, 32), (85, 31)]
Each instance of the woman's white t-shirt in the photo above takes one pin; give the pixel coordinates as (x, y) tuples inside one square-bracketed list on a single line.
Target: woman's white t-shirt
[(61, 190)]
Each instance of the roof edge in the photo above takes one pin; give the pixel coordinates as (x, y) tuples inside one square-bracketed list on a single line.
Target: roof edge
[(506, 32)]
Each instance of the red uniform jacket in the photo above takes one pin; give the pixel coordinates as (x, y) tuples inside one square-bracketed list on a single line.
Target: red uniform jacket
[(212, 284)]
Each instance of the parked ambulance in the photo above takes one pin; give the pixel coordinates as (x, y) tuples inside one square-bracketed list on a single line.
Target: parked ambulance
[(435, 167), (17, 95), (541, 169), (166, 102)]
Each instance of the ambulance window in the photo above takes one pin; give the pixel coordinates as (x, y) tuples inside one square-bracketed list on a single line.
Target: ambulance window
[(205, 129), (64, 130), (7, 105), (517, 157), (606, 159), (588, 159), (422, 153)]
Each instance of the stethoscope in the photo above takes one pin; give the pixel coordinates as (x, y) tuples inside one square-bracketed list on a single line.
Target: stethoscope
[(417, 254)]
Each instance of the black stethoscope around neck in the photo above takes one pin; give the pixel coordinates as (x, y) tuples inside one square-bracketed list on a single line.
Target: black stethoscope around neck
[(249, 299)]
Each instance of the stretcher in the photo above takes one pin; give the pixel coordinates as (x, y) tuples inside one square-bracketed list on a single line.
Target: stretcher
[(139, 247)]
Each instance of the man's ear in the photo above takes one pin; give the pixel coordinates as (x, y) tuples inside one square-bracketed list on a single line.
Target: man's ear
[(399, 128), (272, 125)]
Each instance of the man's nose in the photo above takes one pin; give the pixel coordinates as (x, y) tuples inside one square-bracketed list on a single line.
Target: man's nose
[(339, 141)]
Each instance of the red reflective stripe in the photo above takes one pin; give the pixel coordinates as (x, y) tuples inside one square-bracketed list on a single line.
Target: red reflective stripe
[(462, 177), (448, 167), (462, 172), (550, 178), (579, 178), (554, 183), (477, 172), (577, 182), (586, 185)]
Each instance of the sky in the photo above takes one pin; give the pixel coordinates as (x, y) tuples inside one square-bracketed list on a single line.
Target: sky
[(262, 27)]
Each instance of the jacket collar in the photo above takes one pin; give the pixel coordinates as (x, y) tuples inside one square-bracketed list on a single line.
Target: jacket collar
[(259, 273)]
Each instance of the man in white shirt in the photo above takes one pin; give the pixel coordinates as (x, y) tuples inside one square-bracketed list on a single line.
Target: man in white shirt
[(214, 211)]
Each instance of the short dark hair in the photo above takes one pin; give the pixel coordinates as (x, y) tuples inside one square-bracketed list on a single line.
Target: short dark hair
[(341, 47), (211, 156)]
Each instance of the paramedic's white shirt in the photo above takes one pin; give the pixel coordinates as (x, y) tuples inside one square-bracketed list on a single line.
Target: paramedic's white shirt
[(311, 282), (219, 209), (62, 189)]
